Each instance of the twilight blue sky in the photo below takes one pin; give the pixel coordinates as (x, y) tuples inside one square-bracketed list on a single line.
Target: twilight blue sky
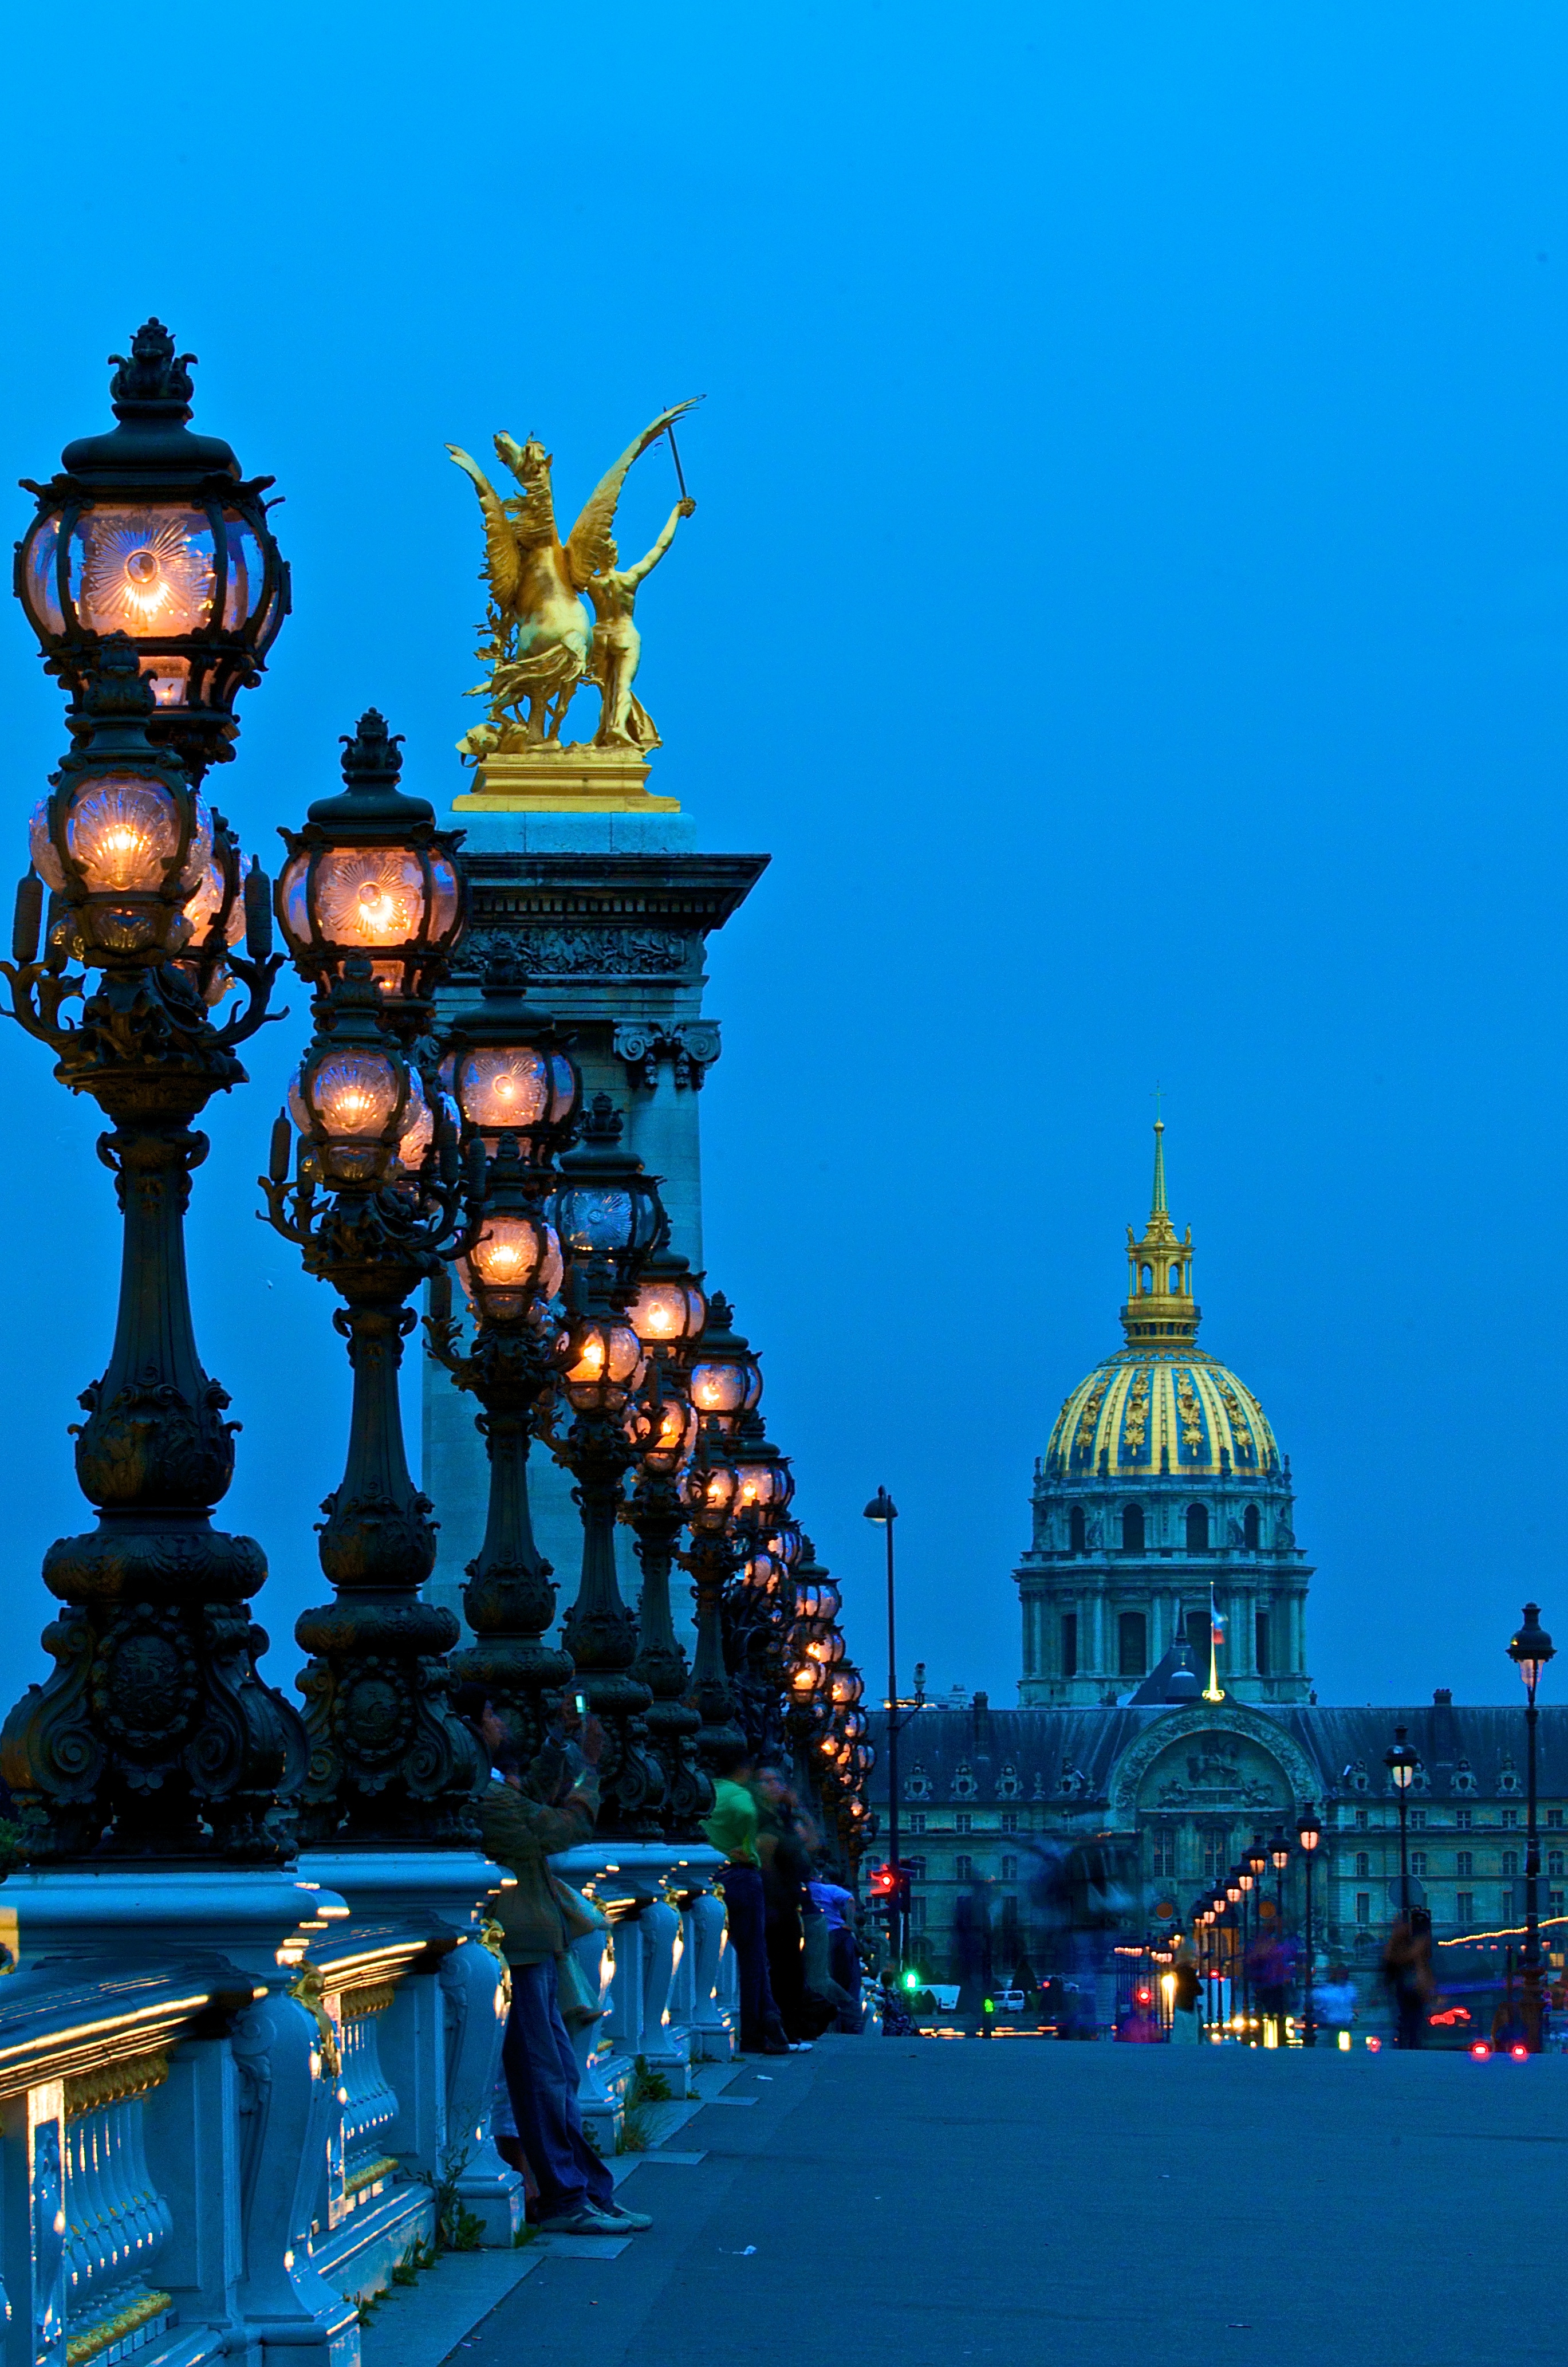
[(1128, 597)]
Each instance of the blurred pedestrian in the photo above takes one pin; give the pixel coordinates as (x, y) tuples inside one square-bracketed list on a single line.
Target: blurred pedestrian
[(836, 1905), (1407, 1976), (1335, 2001), (972, 1946), (1186, 1988), (784, 1841), (732, 1827)]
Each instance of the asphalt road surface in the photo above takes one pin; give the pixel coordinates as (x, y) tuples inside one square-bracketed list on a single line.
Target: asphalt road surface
[(925, 2201)]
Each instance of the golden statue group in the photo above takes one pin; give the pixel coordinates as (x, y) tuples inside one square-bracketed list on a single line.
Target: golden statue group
[(541, 645)]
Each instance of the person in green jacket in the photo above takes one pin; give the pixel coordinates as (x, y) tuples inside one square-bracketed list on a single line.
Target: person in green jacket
[(732, 1827), (524, 1819)]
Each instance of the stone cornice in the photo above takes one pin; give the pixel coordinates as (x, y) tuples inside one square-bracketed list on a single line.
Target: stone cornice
[(693, 891)]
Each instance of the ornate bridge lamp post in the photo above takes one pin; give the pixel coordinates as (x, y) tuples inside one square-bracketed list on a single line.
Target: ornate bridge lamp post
[(1530, 1650), (1402, 1762), (516, 1091), (610, 1219), (726, 1385), (760, 1599), (668, 1315), (370, 904), (155, 1735), (1236, 1891), (148, 569), (1309, 1833)]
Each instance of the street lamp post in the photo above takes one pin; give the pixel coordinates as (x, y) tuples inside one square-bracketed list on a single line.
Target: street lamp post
[(155, 1736), (609, 1220), (1308, 1833), (1402, 1762), (668, 1316), (1235, 1892), (1280, 1858), (1530, 1650), (370, 903), (724, 1386), (884, 1512), (516, 1089)]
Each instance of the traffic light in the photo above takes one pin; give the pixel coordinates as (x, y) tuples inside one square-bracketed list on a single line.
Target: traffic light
[(890, 1888)]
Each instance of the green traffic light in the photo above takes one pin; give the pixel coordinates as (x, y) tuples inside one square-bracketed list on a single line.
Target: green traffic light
[(911, 1980)]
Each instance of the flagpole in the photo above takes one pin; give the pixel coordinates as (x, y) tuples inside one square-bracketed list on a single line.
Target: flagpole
[(1215, 1691)]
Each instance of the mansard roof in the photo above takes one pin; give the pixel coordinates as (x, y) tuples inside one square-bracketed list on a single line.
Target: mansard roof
[(1069, 1757)]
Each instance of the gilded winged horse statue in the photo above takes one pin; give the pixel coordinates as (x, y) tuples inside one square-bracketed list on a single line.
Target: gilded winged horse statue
[(541, 638)]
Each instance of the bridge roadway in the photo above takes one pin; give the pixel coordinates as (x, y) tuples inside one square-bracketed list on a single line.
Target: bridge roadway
[(923, 2201)]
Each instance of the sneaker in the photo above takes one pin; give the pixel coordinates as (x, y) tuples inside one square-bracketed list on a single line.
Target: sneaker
[(629, 2221), (589, 2221)]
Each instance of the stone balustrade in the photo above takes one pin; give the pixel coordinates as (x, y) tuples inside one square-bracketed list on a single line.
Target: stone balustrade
[(231, 2102), (660, 1972)]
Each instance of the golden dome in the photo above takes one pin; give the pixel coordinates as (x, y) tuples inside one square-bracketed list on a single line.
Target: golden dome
[(1163, 1413), (1162, 1408)]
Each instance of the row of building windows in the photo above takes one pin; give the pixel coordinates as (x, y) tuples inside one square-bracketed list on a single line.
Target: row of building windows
[(963, 1822), (1132, 1643), (1134, 1528), (1465, 1913), (1464, 1865), (1463, 1819)]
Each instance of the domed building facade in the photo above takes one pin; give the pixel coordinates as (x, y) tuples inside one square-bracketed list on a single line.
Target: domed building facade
[(1164, 1542), (1145, 1756)]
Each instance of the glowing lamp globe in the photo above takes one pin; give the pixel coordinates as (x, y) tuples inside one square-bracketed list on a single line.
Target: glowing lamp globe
[(508, 1068), (672, 1427), (123, 838), (669, 1310), (356, 1104), (605, 1365), (725, 1380), (370, 875), (150, 532), (515, 1262)]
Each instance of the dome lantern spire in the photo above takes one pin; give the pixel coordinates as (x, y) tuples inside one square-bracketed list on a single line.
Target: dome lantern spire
[(1160, 1309)]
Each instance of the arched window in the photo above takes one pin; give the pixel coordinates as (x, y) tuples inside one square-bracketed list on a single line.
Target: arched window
[(1197, 1528), (1251, 1526), (1076, 1528), (1175, 1278), (1132, 1528), (1146, 1277)]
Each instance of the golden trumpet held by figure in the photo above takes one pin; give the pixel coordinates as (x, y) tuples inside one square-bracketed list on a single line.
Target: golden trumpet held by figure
[(541, 642)]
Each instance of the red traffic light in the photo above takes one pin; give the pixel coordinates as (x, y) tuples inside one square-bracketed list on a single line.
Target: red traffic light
[(890, 1887)]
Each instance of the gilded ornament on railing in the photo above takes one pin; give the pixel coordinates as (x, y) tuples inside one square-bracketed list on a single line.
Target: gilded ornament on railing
[(308, 1987), (540, 643), (98, 2338), (373, 1997), (113, 2083), (492, 1937)]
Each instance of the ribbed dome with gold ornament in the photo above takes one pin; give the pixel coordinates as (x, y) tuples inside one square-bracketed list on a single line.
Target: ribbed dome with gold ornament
[(1164, 1543), (1162, 1405)]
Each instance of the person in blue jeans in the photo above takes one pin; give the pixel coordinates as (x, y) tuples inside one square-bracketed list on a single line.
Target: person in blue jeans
[(523, 1820)]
